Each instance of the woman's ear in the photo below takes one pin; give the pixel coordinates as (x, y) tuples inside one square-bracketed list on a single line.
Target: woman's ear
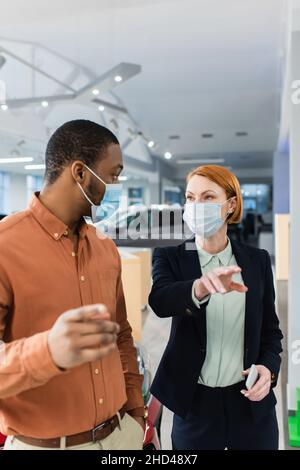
[(232, 205)]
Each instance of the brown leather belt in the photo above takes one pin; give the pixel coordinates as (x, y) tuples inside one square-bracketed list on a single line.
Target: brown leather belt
[(99, 433)]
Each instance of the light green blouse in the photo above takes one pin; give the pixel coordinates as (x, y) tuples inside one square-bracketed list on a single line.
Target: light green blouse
[(225, 319)]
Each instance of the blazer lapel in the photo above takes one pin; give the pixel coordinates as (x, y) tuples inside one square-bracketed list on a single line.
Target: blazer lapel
[(191, 269), (189, 260)]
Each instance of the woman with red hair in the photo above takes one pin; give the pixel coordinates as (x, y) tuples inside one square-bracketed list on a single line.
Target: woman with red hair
[(220, 296)]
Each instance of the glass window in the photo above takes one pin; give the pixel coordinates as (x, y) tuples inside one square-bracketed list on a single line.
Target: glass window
[(34, 183), (4, 192), (257, 198)]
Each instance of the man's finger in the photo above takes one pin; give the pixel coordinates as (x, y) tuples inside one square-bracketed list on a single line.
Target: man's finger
[(94, 327), (93, 341), (91, 355), (88, 312)]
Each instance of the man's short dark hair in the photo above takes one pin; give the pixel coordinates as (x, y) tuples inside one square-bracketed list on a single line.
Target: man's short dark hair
[(76, 140)]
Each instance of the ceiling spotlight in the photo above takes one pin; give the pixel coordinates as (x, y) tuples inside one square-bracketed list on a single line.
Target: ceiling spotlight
[(168, 155), (45, 104), (4, 107), (151, 144), (101, 108), (123, 178), (95, 91), (118, 78)]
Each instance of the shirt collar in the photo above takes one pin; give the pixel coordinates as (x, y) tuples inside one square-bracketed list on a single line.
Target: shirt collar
[(54, 226), (224, 255)]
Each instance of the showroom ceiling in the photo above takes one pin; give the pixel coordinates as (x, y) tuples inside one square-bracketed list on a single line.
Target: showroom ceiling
[(211, 70)]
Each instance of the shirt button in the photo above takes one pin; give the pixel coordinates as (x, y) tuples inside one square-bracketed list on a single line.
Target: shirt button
[(66, 233), (56, 235), (96, 371), (82, 278), (100, 401), (73, 254)]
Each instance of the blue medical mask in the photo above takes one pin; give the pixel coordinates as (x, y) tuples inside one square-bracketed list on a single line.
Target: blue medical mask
[(110, 202), (204, 218)]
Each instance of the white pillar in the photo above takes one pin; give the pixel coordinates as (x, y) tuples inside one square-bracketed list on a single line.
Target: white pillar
[(294, 277)]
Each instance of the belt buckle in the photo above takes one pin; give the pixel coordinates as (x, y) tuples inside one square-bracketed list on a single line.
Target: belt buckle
[(98, 428)]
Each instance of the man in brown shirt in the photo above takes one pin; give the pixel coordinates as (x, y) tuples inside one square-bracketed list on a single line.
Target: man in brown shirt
[(68, 373)]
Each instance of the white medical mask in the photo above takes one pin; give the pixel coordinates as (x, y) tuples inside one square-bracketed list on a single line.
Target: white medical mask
[(110, 202), (204, 218)]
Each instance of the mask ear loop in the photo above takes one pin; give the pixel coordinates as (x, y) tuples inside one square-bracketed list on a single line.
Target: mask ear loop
[(84, 193), (93, 173)]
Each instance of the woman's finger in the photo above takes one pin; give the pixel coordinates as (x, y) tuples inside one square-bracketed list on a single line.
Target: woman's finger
[(238, 287), (208, 285), (217, 283)]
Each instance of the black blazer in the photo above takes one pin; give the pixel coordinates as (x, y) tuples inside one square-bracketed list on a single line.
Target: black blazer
[(174, 271)]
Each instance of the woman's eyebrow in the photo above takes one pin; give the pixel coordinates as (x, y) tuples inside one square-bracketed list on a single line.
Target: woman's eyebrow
[(208, 191), (204, 192)]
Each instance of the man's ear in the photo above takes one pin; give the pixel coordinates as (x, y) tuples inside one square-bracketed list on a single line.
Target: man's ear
[(78, 171)]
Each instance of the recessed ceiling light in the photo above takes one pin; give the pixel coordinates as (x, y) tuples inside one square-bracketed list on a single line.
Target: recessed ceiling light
[(4, 107), (101, 108), (45, 104), (95, 92), (118, 78), (16, 160), (123, 178), (241, 134), (207, 135), (174, 137), (41, 166), (168, 155), (151, 144), (200, 161)]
